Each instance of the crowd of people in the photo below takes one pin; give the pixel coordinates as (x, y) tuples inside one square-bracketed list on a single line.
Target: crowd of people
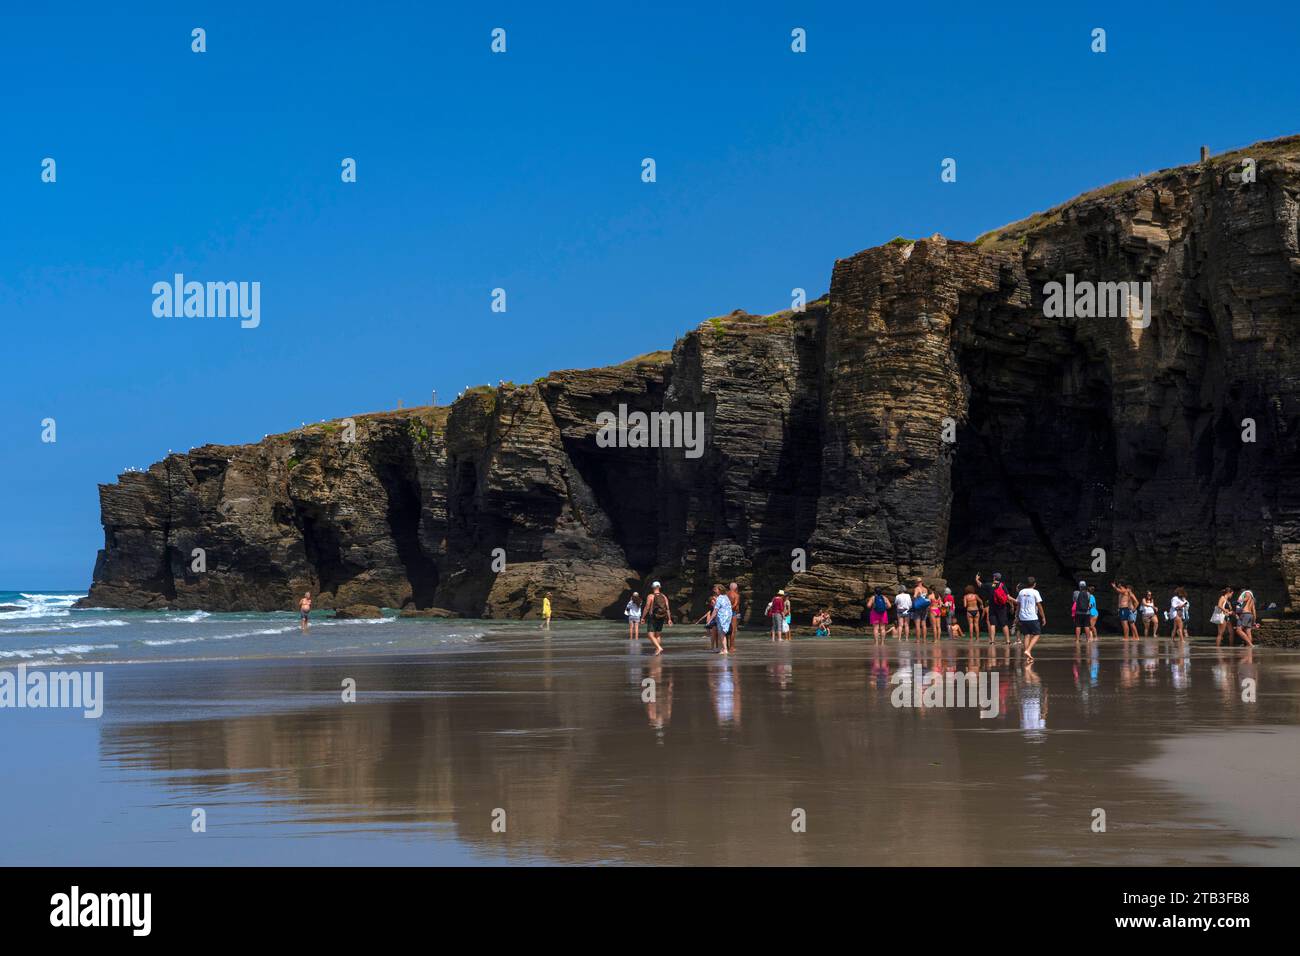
[(923, 611)]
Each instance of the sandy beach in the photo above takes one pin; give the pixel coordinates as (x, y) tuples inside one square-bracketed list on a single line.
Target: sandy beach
[(552, 737)]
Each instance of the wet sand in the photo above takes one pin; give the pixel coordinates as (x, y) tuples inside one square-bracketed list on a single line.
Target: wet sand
[(555, 732)]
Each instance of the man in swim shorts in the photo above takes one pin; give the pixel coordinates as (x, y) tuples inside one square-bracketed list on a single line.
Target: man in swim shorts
[(660, 614)]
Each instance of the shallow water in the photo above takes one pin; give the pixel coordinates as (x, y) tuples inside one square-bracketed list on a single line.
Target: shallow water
[(554, 731), (48, 630)]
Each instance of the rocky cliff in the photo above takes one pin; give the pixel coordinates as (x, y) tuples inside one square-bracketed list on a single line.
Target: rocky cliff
[(928, 417)]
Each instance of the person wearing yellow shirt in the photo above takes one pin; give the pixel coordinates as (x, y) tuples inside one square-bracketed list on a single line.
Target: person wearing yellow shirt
[(546, 612)]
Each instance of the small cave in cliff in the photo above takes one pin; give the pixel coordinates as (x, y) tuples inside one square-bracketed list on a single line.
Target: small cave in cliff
[(402, 484), (321, 543)]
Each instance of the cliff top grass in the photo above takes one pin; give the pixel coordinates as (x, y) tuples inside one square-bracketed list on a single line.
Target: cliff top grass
[(1017, 233), (658, 357)]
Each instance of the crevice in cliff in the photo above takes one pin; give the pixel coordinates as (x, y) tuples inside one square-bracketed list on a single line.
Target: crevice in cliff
[(166, 583), (397, 473)]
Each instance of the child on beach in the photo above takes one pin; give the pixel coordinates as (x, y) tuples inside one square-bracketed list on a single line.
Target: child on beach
[(546, 612), (633, 614)]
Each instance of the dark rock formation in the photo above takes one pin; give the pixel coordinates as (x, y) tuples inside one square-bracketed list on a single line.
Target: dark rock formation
[(358, 612), (825, 468), (426, 612)]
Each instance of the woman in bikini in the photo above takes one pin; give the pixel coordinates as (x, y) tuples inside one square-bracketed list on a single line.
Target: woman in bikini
[(974, 608)]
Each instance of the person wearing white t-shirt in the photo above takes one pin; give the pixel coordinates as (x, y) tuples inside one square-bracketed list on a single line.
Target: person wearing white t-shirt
[(1178, 607), (1031, 618), (903, 605)]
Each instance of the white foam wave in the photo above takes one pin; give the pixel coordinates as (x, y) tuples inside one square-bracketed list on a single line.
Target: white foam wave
[(58, 651), (69, 626)]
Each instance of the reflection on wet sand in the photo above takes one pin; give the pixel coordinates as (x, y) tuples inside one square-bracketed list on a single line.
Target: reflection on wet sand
[(599, 752)]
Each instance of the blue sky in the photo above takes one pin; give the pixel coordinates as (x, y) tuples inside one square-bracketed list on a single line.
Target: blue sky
[(520, 171)]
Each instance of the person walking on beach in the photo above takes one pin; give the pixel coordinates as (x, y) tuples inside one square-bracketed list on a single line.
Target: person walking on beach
[(633, 614), (660, 614), (903, 608), (1150, 619), (720, 617), (986, 603), (733, 595), (1222, 615), (1000, 610), (1092, 611), (971, 602), (951, 623), (776, 611), (1080, 611), (708, 619), (879, 615), (920, 609), (1127, 609), (1246, 616), (304, 609), (1031, 616), (1178, 606), (546, 612)]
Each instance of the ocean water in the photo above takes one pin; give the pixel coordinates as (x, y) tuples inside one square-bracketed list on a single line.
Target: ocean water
[(47, 630)]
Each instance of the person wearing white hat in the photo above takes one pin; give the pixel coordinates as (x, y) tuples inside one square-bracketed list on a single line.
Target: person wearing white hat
[(776, 610), (659, 613)]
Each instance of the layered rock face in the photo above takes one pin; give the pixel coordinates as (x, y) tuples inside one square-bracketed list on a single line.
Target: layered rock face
[(928, 418)]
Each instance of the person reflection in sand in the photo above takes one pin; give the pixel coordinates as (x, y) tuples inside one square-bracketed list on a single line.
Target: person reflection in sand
[(724, 687), (659, 700), (1033, 701)]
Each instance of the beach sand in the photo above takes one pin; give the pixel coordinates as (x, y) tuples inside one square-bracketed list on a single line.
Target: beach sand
[(555, 731)]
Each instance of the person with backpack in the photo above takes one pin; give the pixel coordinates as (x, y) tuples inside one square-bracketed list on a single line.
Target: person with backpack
[(920, 609), (660, 614), (1000, 610), (879, 615), (1081, 611)]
